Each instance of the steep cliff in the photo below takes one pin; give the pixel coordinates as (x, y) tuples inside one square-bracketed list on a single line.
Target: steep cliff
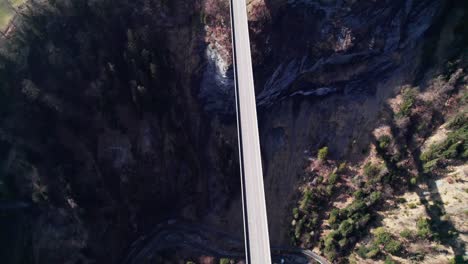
[(103, 131)]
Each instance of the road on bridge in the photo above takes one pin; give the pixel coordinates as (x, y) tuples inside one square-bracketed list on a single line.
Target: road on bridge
[(253, 196)]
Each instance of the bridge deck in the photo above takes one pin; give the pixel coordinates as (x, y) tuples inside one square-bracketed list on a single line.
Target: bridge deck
[(255, 217)]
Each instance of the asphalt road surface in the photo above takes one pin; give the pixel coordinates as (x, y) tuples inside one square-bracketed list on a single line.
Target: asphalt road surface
[(253, 195)]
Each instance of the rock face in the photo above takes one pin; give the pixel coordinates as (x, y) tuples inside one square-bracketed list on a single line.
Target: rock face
[(333, 64), (309, 48), (114, 168)]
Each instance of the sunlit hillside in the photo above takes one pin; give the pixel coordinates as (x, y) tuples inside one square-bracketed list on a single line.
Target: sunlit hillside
[(7, 11)]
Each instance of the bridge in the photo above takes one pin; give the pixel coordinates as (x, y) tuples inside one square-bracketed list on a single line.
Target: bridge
[(257, 243)]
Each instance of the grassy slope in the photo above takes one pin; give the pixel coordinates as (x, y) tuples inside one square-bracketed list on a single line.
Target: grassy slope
[(6, 12)]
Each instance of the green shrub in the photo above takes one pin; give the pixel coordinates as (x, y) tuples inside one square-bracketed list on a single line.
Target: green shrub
[(332, 220), (342, 167), (414, 181), (331, 237), (224, 261), (330, 249), (332, 178), (343, 242), (297, 233), (458, 121), (346, 227), (455, 146), (406, 233), (424, 228), (299, 228), (373, 253), (319, 179), (430, 165), (382, 237), (453, 150), (458, 260), (331, 254), (401, 200), (359, 194), (362, 251), (393, 247), (384, 141), (313, 219), (295, 213), (375, 197), (464, 98), (385, 239), (395, 158), (409, 98), (307, 238), (306, 199), (362, 221), (371, 170), (412, 206), (357, 206), (323, 153), (389, 260)]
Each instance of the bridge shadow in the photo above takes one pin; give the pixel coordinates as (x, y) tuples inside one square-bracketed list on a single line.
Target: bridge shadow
[(442, 228)]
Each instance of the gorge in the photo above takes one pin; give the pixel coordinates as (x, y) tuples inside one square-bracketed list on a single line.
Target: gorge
[(117, 116)]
